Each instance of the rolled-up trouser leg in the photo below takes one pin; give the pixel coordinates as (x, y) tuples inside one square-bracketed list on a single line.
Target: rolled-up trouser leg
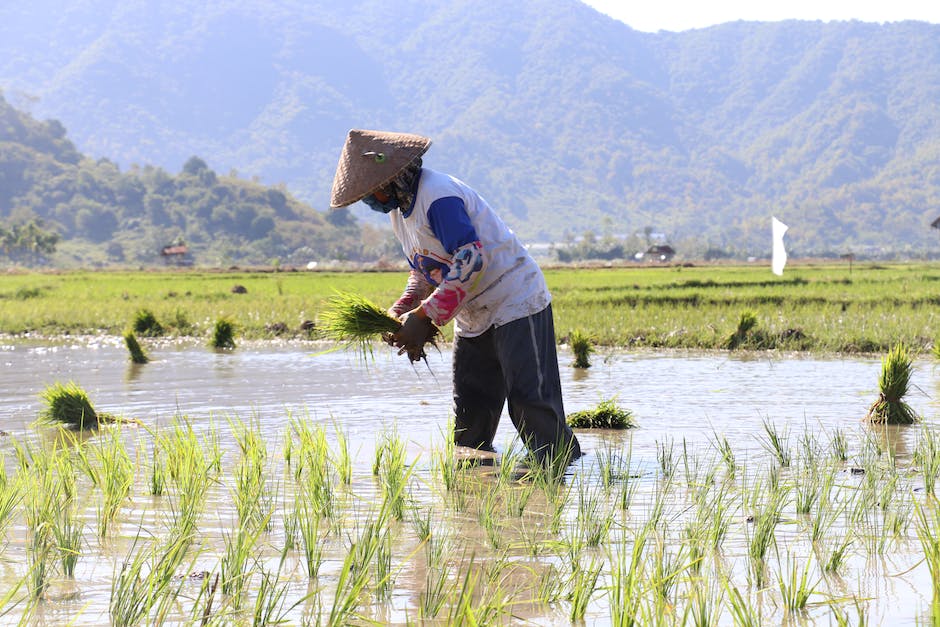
[(479, 391), (526, 350)]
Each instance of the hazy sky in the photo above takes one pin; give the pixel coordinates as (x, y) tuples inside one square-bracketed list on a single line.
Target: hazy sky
[(676, 15)]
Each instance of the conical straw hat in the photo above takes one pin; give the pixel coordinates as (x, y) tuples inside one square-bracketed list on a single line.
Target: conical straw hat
[(370, 159)]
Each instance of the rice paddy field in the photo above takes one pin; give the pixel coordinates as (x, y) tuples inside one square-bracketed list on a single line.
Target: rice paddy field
[(288, 481), (819, 308)]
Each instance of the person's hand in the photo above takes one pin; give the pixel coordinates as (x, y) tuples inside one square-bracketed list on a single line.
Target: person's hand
[(416, 330)]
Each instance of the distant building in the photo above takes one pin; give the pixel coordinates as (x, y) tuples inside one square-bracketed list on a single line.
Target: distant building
[(177, 255)]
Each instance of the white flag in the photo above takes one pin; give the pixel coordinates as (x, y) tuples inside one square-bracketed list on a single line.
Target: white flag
[(780, 253)]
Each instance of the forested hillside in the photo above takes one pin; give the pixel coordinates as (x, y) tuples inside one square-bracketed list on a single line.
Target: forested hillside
[(567, 120), (54, 196)]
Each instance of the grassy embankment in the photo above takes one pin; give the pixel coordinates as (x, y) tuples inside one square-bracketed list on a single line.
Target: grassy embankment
[(822, 308)]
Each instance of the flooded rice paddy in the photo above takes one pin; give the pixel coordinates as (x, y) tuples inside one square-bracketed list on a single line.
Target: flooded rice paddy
[(751, 488)]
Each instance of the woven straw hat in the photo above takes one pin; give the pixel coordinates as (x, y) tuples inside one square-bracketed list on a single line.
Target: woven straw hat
[(370, 159)]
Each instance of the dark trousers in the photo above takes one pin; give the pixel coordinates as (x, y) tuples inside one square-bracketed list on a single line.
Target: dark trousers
[(515, 362)]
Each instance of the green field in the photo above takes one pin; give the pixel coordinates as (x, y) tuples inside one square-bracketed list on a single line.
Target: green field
[(818, 308)]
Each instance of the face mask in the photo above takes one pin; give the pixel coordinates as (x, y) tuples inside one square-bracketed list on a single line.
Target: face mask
[(382, 207)]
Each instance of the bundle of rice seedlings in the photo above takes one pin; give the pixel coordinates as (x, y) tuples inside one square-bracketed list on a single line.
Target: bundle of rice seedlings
[(356, 321), (223, 334), (146, 324), (890, 408), (747, 322), (138, 356), (607, 415), (582, 345), (67, 404)]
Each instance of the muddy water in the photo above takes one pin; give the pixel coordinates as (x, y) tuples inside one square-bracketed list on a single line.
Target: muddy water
[(677, 398)]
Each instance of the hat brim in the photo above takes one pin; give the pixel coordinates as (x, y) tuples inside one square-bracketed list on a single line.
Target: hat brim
[(369, 160)]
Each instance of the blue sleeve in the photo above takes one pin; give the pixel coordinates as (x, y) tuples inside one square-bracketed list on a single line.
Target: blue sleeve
[(450, 223)]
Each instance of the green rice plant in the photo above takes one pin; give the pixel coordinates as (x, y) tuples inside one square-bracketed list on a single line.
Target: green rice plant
[(271, 606), (760, 533), (551, 586), (11, 495), (445, 461), (68, 404), (343, 460), (726, 452), (667, 568), (893, 384), (778, 444), (115, 478), (145, 588), (384, 577), (223, 334), (705, 606), (308, 523), (837, 553), (839, 445), (582, 345), (146, 324), (422, 522), (746, 324), (40, 550), (828, 511), (927, 459), (665, 455), (607, 415), (354, 575), (795, 587), (138, 356), (69, 534), (807, 488), (742, 611), (437, 576), (251, 489), (928, 532), (235, 564), (157, 472), (593, 524), (583, 584), (354, 319), (489, 521), (627, 576), (516, 498), (394, 473)]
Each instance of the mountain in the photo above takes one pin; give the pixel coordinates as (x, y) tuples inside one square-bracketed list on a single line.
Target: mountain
[(566, 120)]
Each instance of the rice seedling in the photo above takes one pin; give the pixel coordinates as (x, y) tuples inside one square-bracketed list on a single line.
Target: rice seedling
[(726, 452), (582, 345), (115, 478), (137, 353), (146, 324), (807, 488), (251, 488), (746, 324), (795, 587), (157, 472), (394, 472), (343, 461), (384, 577), (68, 404), (839, 551), (627, 575), (665, 455), (223, 334), (583, 584), (357, 322), (760, 533), (271, 606), (606, 415), (422, 522), (705, 606), (927, 459), (928, 525), (234, 565), (39, 552), (436, 578), (893, 384), (489, 503), (308, 523), (142, 591), (742, 611), (778, 444), (592, 524), (839, 445), (354, 574), (69, 534)]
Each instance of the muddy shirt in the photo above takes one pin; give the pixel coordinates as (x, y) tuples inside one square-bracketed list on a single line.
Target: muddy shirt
[(474, 268)]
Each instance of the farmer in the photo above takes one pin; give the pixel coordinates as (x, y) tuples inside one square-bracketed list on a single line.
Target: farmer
[(466, 266)]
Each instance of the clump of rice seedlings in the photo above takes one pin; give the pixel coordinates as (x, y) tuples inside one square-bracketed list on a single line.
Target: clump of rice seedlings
[(778, 444), (583, 583), (138, 356), (142, 591), (234, 565), (927, 533), (250, 481), (384, 577), (437, 575), (760, 532), (393, 470), (357, 322), (223, 334), (146, 324), (354, 576), (343, 460), (795, 588), (68, 404), (607, 415), (890, 408), (627, 576), (115, 478), (742, 611), (582, 345), (666, 457), (746, 323), (927, 459), (839, 445), (726, 452), (308, 523)]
